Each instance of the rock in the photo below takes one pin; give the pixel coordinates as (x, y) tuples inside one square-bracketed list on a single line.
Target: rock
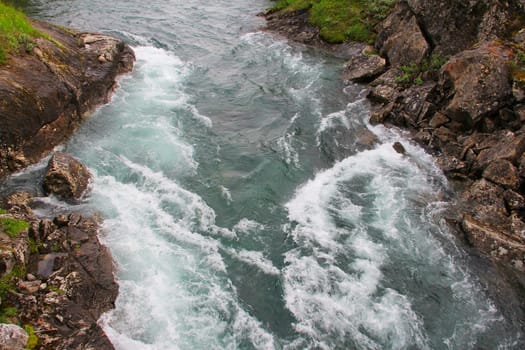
[(438, 120), (66, 177), (12, 337), (399, 148), (48, 94), (505, 145), (484, 200), (364, 66), (503, 173), (476, 83), (495, 242), (400, 38), (453, 26), (29, 287), (514, 200)]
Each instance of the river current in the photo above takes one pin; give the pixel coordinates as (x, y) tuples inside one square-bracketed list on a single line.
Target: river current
[(235, 219)]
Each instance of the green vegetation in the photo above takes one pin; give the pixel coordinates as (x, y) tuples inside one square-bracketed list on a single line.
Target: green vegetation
[(32, 341), (517, 65), (15, 32), (13, 227), (8, 314), (57, 290), (340, 20), (8, 280), (415, 73)]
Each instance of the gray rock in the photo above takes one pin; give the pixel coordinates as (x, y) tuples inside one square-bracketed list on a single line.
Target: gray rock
[(12, 337), (364, 66)]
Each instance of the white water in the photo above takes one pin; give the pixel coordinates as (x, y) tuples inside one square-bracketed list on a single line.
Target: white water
[(230, 226)]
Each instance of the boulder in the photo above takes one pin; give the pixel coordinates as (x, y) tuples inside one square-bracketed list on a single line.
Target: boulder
[(12, 337), (66, 177), (400, 38), (476, 83), (364, 67), (503, 173)]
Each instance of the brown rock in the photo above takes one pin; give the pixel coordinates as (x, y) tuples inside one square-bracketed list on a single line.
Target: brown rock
[(48, 94), (494, 242), (485, 201), (66, 177), (477, 83), (503, 173), (514, 200), (400, 38), (438, 120), (505, 145), (399, 148)]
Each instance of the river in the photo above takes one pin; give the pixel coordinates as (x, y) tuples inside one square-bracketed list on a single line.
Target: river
[(235, 219)]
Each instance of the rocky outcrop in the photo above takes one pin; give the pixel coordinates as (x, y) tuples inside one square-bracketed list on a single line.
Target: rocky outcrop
[(12, 337), (66, 177), (47, 93), (64, 282), (455, 77)]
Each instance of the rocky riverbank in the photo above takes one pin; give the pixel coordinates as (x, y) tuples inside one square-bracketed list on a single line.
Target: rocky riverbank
[(56, 278), (49, 91), (453, 74)]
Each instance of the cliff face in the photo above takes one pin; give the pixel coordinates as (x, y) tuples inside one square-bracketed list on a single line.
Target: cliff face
[(45, 94)]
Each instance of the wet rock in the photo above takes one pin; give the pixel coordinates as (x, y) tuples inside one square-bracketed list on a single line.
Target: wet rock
[(503, 173), (400, 38), (399, 148), (66, 177), (12, 337), (364, 66), (477, 83)]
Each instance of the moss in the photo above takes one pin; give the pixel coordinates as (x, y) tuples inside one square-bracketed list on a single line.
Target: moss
[(2, 211), (33, 246), (12, 227), (340, 20), (414, 73), (15, 32), (32, 341), (57, 290), (8, 314), (8, 280)]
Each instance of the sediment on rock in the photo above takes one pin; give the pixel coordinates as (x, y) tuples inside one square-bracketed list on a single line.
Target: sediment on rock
[(48, 92)]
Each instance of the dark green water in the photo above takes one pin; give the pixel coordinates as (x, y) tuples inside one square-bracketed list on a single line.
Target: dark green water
[(232, 226)]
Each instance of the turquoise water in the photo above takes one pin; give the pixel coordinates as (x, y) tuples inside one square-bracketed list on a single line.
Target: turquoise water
[(237, 214)]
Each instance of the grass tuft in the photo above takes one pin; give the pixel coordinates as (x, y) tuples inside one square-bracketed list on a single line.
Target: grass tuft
[(341, 20), (15, 32), (13, 227)]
